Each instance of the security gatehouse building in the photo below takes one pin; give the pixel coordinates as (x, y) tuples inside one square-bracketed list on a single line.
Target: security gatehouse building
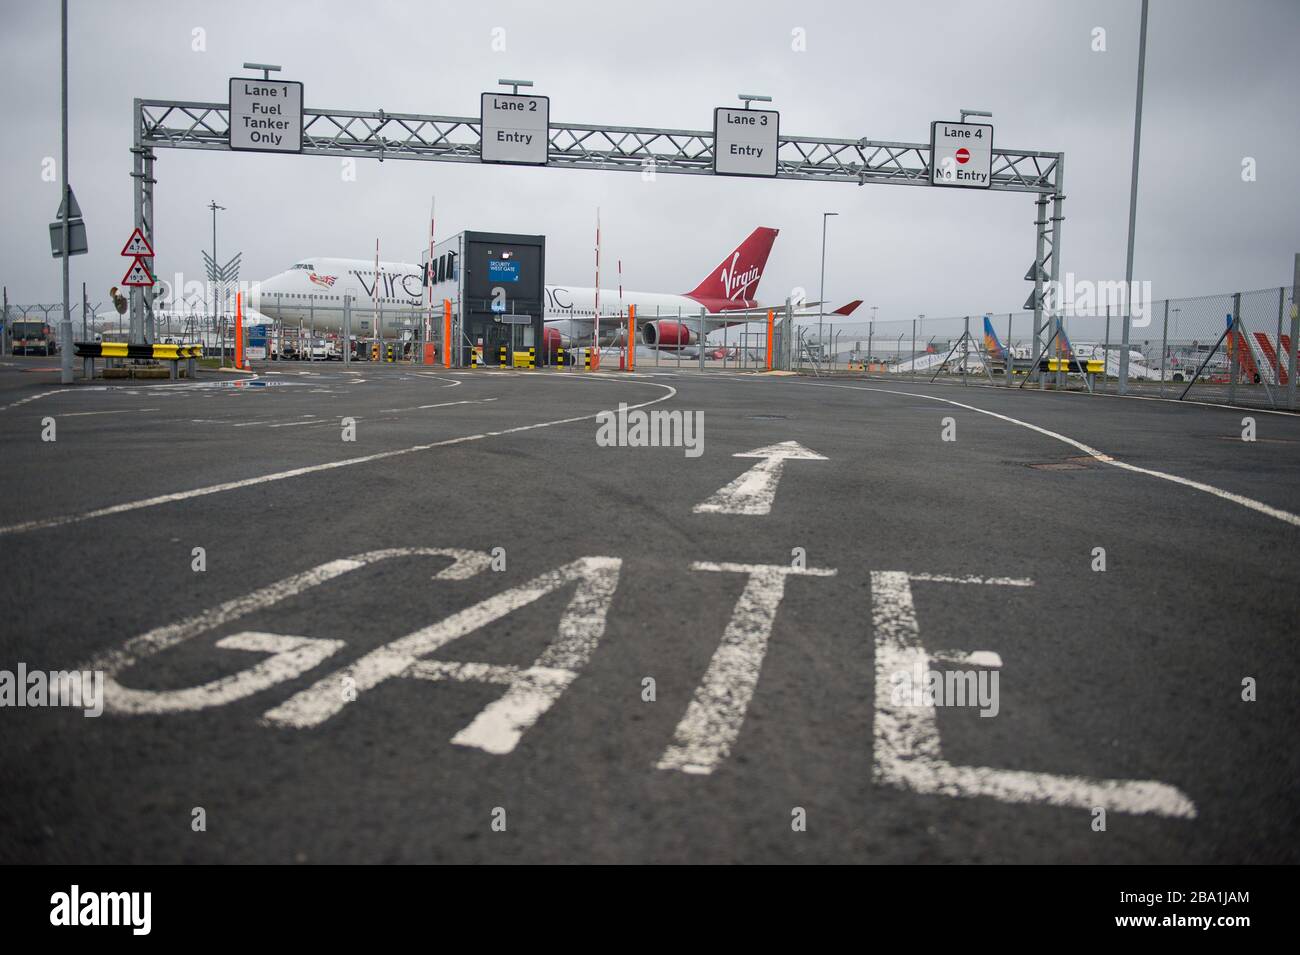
[(496, 284)]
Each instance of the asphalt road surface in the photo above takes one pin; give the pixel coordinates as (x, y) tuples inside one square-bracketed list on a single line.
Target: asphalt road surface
[(476, 633)]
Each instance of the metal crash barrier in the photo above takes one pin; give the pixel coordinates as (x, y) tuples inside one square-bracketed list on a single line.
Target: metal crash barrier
[(1090, 368), (173, 354)]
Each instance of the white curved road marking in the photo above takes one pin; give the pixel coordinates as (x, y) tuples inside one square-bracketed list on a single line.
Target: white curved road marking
[(1248, 502)]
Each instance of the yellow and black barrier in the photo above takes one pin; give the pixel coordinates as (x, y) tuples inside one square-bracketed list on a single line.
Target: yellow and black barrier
[(586, 359), (127, 350), (503, 357), (1093, 366), (559, 357), (525, 359), (172, 353)]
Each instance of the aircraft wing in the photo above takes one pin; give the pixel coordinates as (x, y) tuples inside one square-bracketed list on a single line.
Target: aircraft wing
[(806, 310)]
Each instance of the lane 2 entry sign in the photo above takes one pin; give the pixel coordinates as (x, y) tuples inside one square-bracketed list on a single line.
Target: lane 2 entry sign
[(515, 129)]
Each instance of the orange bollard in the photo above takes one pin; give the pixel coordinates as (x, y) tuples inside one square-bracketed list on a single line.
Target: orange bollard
[(239, 330), (631, 338), (446, 333)]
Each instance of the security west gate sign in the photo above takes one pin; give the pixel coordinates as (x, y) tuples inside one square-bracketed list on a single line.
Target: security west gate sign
[(961, 154), (515, 129), (745, 141), (265, 115)]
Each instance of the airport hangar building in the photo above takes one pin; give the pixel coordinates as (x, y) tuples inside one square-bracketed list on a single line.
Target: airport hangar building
[(496, 283)]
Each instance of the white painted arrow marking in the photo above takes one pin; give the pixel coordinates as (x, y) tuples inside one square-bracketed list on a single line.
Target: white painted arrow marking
[(753, 491)]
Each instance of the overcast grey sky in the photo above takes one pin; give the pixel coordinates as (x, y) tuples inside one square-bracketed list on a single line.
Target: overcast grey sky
[(1220, 87)]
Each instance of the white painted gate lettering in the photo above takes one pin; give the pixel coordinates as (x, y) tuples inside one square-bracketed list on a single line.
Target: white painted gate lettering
[(716, 713), (530, 692), (907, 747)]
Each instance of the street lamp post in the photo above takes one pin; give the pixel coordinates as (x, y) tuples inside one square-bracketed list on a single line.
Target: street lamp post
[(65, 326), (1132, 203), (821, 305)]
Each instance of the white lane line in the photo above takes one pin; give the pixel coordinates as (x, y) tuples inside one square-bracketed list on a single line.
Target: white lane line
[(128, 506), (754, 491), (716, 713), (444, 404), (43, 394), (83, 414), (1247, 502), (293, 424), (453, 383), (1193, 403)]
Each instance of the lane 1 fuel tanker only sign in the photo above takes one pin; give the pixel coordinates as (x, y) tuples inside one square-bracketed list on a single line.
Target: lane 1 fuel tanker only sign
[(744, 141), (515, 129), (265, 115), (961, 154)]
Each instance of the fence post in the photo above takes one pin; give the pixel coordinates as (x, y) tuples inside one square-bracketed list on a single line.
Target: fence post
[(347, 330), (1279, 351), (913, 348), (1164, 349), (1106, 348), (1295, 334), (1236, 338), (771, 324), (965, 344), (1011, 357), (704, 334)]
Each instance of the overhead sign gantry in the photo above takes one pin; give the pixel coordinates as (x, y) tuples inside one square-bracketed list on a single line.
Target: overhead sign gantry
[(513, 128)]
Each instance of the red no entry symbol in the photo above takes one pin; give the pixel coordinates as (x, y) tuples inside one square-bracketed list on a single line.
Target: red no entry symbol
[(963, 155)]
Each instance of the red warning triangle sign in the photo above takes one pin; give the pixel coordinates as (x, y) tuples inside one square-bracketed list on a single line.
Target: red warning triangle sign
[(138, 274), (137, 245)]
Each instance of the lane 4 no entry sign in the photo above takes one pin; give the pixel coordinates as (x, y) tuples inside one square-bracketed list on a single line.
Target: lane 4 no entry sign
[(961, 154)]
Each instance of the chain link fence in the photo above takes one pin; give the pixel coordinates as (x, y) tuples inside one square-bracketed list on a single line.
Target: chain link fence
[(1189, 349)]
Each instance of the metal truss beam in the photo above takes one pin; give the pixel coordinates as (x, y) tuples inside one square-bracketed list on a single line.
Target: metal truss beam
[(380, 135), (175, 124)]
